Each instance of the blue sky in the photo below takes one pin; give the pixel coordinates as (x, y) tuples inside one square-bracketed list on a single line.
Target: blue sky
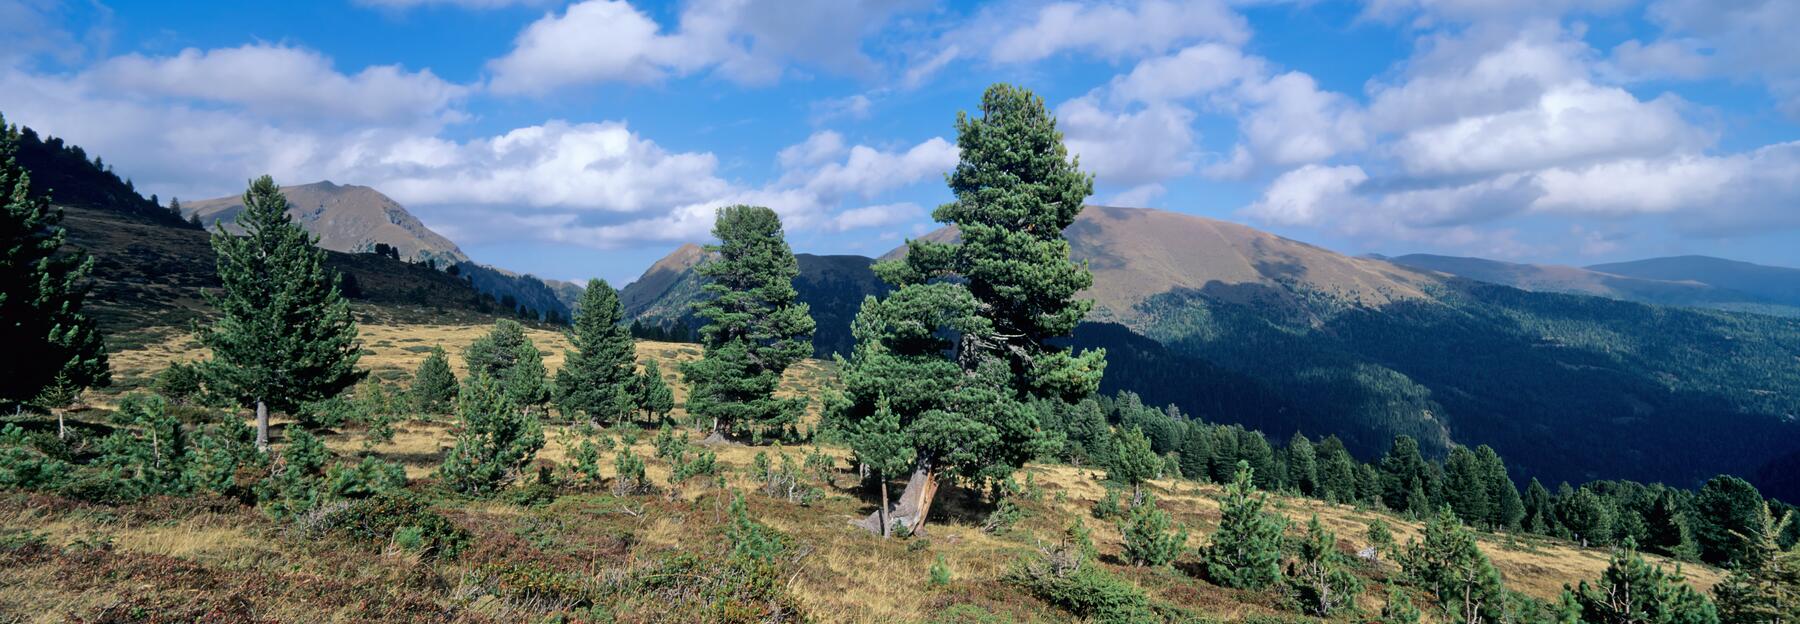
[(578, 139)]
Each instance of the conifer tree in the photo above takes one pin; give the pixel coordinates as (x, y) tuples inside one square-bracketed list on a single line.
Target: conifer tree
[(1465, 487), (495, 439), (1765, 588), (756, 327), (1132, 462), (1505, 509), (1406, 478), (599, 376), (1149, 540), (284, 335), (653, 394), (1725, 510), (509, 357), (883, 447), (1320, 573), (1196, 454), (1587, 515), (434, 385), (1005, 290), (1631, 591), (1449, 564), (1245, 553), (50, 344), (1303, 465), (1540, 509)]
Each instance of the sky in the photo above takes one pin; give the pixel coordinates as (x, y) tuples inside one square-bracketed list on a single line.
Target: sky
[(587, 139)]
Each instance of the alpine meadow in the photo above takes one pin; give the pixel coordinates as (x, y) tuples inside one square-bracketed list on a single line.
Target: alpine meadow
[(927, 311)]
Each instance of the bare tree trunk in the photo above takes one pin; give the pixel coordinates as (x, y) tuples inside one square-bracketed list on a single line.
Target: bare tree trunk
[(887, 528), (914, 505), (262, 426), (62, 431)]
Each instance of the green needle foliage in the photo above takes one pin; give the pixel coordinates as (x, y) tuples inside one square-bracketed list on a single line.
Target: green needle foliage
[(434, 385), (508, 356), (1133, 462), (495, 439), (883, 447), (1320, 574), (1245, 553), (1148, 538), (654, 396), (599, 377), (756, 327), (1004, 292), (1448, 564), (1631, 591), (49, 342), (284, 335), (1766, 588)]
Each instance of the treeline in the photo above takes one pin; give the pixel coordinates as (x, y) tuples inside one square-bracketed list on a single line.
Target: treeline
[(65, 174), (1700, 525)]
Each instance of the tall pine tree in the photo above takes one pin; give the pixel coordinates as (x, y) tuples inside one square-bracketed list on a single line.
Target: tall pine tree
[(50, 344), (284, 335), (1004, 291), (434, 385), (756, 327), (599, 376)]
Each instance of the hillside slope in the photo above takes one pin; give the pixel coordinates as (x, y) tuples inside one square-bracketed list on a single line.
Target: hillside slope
[(1251, 328), (346, 218), (1777, 285), (1682, 291)]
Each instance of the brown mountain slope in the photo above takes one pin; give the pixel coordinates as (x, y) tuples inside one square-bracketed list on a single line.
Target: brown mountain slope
[(1138, 253), (346, 218)]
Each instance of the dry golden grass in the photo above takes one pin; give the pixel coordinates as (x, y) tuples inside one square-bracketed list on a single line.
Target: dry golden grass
[(842, 574)]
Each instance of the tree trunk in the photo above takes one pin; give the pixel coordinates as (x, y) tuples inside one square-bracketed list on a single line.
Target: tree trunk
[(62, 432), (912, 509), (887, 528), (262, 426)]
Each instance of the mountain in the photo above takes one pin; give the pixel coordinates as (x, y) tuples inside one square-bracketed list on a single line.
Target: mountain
[(1605, 281), (1237, 325), (834, 286), (347, 218), (1775, 285), (354, 219)]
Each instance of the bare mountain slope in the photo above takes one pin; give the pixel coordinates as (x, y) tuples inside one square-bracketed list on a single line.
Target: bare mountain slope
[(1676, 288), (346, 218)]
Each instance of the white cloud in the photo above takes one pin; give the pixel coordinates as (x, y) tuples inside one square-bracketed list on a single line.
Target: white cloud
[(1574, 123), (1151, 144), (817, 148), (876, 216), (1750, 39), (1290, 120), (1706, 194), (466, 4), (1117, 30), (1308, 195), (868, 172), (851, 107), (745, 41), (1138, 196), (1191, 72), (280, 80)]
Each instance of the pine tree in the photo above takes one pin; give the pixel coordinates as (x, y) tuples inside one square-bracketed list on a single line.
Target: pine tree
[(654, 395), (1320, 573), (1587, 515), (1303, 465), (883, 448), (1631, 591), (434, 385), (1450, 565), (1406, 478), (1725, 509), (1465, 487), (508, 357), (284, 335), (599, 376), (1505, 509), (1149, 541), (1004, 291), (495, 439), (1245, 553), (756, 327), (1765, 589), (50, 343), (1540, 509), (1196, 454), (1132, 462)]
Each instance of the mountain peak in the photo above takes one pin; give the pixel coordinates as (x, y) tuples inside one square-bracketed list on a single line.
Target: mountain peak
[(346, 218)]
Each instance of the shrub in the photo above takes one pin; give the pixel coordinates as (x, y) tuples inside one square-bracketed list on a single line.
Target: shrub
[(1245, 553), (1320, 576), (586, 461), (365, 479), (704, 462), (628, 473), (225, 461), (1110, 507), (940, 572), (180, 382), (497, 437), (294, 486), (148, 453), (389, 517), (24, 466), (1006, 514), (669, 443), (1148, 539), (1083, 589)]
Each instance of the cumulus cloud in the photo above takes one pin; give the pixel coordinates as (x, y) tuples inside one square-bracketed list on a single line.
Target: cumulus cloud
[(876, 216), (1574, 123), (1148, 145), (280, 80), (745, 41), (1118, 30), (1752, 40), (867, 171), (1308, 195)]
